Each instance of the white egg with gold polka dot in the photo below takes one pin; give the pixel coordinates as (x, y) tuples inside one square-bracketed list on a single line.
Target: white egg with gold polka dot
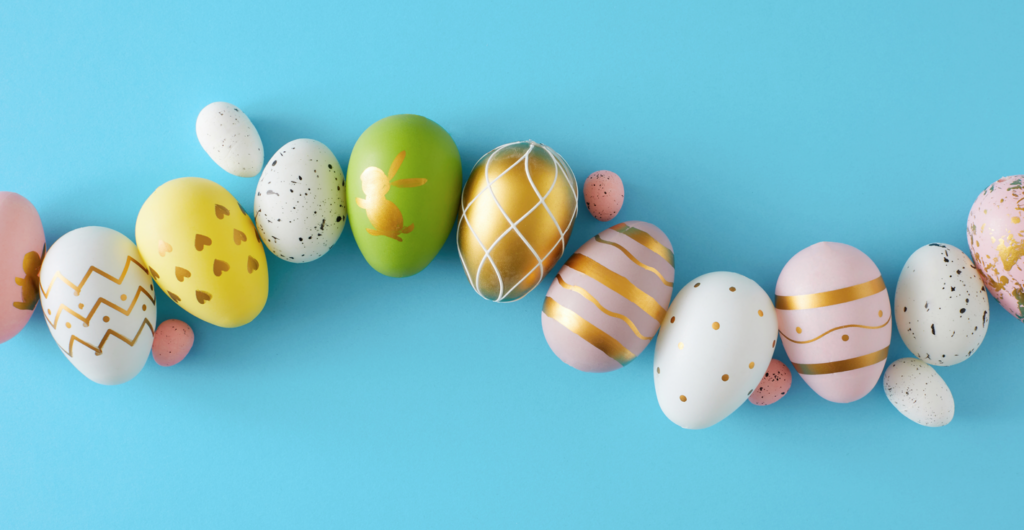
[(716, 341)]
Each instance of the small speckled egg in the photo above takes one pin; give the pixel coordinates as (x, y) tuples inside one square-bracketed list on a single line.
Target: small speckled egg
[(941, 305), (230, 139), (300, 201), (604, 194), (172, 342), (918, 392), (775, 384)]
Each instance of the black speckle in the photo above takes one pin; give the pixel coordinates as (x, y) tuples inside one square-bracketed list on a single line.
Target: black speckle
[(274, 163), (963, 310), (338, 220), (933, 329), (330, 166)]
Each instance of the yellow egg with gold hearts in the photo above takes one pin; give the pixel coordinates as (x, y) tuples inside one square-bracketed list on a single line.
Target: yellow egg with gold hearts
[(203, 251)]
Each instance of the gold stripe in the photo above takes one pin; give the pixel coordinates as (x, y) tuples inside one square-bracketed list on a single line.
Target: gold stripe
[(633, 258), (583, 292), (834, 329), (78, 288), (827, 298), (617, 283), (843, 366), (587, 331), (99, 350), (85, 320), (646, 240)]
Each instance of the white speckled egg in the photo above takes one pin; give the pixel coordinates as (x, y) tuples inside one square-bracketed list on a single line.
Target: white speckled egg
[(941, 305), (918, 392), (230, 139), (300, 201), (715, 344)]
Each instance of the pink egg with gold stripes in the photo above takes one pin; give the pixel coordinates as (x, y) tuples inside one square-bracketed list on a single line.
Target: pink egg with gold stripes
[(607, 302), (835, 320)]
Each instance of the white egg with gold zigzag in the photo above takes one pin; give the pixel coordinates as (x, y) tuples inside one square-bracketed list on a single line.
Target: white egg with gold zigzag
[(98, 300)]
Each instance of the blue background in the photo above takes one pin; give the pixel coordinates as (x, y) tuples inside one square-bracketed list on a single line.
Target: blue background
[(747, 131)]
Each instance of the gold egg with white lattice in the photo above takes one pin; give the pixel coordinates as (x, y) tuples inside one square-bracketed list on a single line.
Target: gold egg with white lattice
[(515, 218)]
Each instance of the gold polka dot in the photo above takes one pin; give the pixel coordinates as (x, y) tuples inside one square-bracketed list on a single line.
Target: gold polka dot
[(106, 319), (659, 369), (751, 366), (725, 377), (879, 313), (124, 297), (143, 307), (732, 289), (714, 325), (48, 312), (773, 344), (798, 330), (760, 313), (682, 398), (672, 320), (695, 285), (680, 345), (1015, 219), (846, 338), (81, 306), (68, 325)]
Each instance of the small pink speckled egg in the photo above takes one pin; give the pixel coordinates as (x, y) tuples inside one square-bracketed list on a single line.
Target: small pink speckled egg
[(776, 382), (172, 342), (604, 194)]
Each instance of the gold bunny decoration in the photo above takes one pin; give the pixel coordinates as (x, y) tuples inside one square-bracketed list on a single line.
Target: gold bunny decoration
[(384, 215)]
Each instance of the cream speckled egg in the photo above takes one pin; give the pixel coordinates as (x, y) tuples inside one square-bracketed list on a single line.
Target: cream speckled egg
[(230, 139), (715, 344), (918, 392), (300, 201), (941, 305)]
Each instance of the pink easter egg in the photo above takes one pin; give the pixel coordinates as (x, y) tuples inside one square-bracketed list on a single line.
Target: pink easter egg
[(607, 302), (834, 319), (775, 383), (22, 244), (172, 342), (604, 194), (996, 238)]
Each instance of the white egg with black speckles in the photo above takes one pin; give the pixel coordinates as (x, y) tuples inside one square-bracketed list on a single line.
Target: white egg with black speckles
[(300, 201), (918, 392), (230, 139), (941, 305)]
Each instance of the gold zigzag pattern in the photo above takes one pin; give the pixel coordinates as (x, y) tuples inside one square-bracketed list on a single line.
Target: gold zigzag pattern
[(78, 288), (99, 350), (102, 301)]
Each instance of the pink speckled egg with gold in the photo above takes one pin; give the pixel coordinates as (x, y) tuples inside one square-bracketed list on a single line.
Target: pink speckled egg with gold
[(22, 243), (172, 342), (996, 238), (604, 194), (608, 301), (835, 320), (775, 384)]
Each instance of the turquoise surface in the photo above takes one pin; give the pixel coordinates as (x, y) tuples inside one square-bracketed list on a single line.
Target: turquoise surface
[(745, 130)]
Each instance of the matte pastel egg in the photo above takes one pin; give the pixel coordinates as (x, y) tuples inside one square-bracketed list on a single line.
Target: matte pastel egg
[(98, 301), (607, 302), (996, 238), (604, 195), (172, 342), (230, 139), (941, 306), (834, 319), (22, 245), (918, 392), (715, 343), (775, 384)]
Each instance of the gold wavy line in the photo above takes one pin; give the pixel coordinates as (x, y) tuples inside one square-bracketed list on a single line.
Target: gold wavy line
[(587, 331), (647, 240), (844, 365), (834, 329), (633, 258), (99, 350), (617, 283), (583, 292), (78, 288), (85, 320), (827, 298)]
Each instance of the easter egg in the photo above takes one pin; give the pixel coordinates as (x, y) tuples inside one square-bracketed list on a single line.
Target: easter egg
[(604, 194), (715, 344), (516, 215), (23, 244), (404, 181), (918, 392), (775, 384), (996, 238), (230, 139), (300, 201), (172, 342), (98, 301), (834, 319), (203, 251), (941, 307), (607, 302)]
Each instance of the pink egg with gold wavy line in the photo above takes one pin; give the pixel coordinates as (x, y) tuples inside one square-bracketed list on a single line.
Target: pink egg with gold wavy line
[(22, 243), (835, 320), (607, 302), (996, 237)]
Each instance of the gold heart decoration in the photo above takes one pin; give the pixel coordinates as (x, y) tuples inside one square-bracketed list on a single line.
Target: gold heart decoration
[(239, 237), (220, 266), (181, 274), (203, 296), (221, 211), (253, 264), (202, 241)]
